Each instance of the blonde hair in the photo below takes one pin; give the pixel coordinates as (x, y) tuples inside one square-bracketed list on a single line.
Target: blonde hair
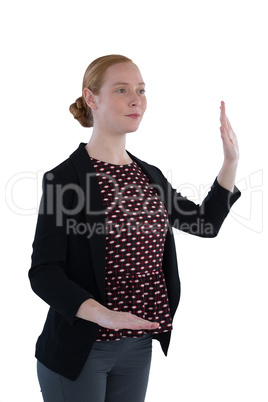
[(93, 79)]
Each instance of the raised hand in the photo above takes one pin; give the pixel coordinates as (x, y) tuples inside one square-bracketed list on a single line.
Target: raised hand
[(226, 176), (230, 144)]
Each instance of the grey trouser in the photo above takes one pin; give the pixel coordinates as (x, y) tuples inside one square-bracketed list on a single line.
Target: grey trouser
[(115, 371)]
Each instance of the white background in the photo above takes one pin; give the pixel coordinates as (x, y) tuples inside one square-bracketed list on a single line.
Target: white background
[(192, 55)]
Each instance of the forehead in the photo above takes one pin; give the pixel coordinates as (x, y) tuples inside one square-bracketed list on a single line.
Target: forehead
[(122, 72)]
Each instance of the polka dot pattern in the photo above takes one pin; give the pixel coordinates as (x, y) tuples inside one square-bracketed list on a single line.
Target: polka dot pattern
[(136, 227)]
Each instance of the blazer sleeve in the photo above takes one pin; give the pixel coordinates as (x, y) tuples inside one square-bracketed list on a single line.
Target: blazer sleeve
[(47, 272), (205, 219)]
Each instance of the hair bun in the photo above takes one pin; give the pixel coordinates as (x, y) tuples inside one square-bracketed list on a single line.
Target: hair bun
[(79, 103), (80, 113)]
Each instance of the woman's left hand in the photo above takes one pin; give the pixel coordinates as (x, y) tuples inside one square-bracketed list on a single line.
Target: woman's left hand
[(230, 144)]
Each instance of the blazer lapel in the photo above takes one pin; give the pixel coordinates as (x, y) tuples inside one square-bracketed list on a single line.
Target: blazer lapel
[(94, 208), (150, 173)]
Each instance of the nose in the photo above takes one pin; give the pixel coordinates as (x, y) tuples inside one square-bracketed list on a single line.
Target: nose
[(134, 100)]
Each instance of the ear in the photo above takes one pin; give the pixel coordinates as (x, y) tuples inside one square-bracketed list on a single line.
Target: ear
[(89, 98)]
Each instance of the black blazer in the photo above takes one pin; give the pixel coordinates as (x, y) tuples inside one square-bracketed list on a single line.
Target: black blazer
[(68, 265)]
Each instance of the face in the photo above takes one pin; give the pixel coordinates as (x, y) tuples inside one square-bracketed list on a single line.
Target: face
[(121, 102)]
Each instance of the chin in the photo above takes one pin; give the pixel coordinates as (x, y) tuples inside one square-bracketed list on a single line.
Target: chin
[(132, 129)]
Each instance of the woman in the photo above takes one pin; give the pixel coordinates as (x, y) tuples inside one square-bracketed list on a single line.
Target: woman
[(104, 255)]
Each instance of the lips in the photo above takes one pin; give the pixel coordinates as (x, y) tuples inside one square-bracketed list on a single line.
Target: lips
[(134, 115)]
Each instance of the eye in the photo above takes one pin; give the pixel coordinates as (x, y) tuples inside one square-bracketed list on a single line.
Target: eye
[(141, 91), (121, 90)]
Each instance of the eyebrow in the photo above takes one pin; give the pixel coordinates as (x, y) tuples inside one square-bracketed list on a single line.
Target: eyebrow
[(125, 83)]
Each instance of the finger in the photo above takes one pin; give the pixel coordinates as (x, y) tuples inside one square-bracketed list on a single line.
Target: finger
[(229, 124), (222, 115), (226, 135), (223, 110), (131, 321), (143, 322), (139, 325), (224, 119)]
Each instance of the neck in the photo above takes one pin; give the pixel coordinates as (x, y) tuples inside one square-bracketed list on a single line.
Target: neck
[(108, 148)]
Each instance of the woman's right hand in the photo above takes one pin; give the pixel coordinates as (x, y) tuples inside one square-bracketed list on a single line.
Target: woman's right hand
[(93, 311)]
